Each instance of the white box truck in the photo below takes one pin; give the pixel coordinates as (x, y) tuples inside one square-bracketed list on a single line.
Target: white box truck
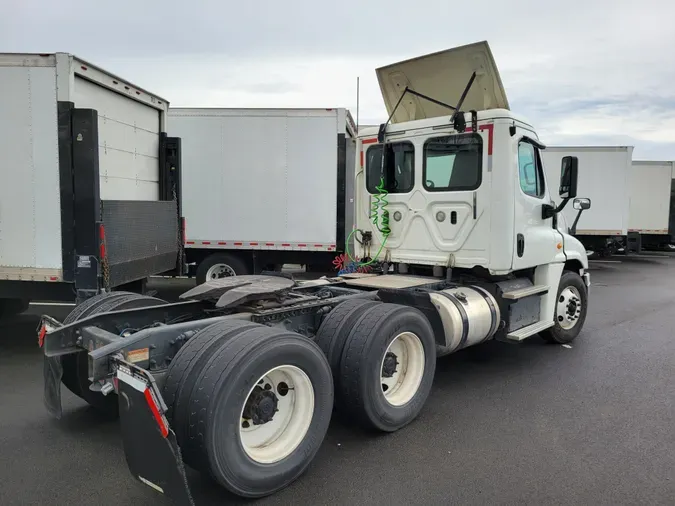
[(264, 187), (90, 181), (239, 378), (649, 195), (605, 180)]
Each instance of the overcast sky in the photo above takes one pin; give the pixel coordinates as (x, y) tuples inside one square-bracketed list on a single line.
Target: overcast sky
[(583, 71)]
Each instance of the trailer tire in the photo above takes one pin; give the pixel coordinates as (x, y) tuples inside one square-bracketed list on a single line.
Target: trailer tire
[(571, 309), (75, 366), (235, 382), (230, 264), (372, 390), (188, 363), (335, 329)]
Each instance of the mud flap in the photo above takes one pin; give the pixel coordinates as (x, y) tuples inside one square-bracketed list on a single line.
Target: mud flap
[(150, 446), (53, 371)]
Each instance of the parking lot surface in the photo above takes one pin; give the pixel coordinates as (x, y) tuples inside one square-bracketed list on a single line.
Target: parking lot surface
[(505, 423)]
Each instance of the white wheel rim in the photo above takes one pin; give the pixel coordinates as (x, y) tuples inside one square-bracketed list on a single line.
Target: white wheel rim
[(402, 369), (568, 309), (277, 438), (219, 271)]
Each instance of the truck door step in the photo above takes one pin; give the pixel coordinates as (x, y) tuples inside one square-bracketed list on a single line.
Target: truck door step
[(521, 293), (530, 330)]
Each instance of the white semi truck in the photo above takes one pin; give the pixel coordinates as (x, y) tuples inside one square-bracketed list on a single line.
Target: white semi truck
[(91, 182), (277, 177), (239, 379)]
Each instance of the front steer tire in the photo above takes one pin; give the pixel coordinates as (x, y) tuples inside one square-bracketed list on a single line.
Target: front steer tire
[(233, 263), (221, 393), (557, 334), (362, 369)]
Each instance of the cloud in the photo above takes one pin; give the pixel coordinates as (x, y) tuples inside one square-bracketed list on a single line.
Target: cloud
[(582, 71)]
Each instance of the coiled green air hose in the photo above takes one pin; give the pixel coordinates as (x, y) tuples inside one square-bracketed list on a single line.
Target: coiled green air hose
[(379, 206)]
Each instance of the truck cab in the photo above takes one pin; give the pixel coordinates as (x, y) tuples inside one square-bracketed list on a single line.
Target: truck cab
[(462, 191)]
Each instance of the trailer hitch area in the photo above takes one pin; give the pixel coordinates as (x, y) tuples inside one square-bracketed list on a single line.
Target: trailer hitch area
[(150, 445)]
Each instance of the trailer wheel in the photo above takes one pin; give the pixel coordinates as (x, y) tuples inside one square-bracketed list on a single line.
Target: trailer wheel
[(75, 366), (220, 265), (387, 367), (13, 307), (260, 410), (335, 329), (571, 308)]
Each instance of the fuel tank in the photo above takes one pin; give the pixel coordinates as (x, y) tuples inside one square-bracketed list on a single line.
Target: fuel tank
[(470, 315)]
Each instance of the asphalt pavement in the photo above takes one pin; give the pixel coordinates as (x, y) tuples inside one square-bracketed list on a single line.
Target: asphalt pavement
[(525, 423)]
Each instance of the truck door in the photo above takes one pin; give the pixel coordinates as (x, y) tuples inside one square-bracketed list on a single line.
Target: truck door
[(536, 241)]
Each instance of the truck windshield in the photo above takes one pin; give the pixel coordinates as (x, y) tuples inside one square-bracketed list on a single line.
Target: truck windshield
[(453, 163), (398, 172)]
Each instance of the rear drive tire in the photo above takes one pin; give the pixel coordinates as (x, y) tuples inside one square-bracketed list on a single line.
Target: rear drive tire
[(75, 366), (260, 410), (220, 265), (335, 329), (387, 367), (13, 307), (186, 367), (571, 308)]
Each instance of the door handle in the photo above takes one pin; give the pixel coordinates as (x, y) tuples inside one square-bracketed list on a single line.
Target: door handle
[(520, 245)]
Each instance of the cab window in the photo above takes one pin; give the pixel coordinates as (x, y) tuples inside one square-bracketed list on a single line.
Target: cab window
[(530, 170), (398, 171), (453, 163)]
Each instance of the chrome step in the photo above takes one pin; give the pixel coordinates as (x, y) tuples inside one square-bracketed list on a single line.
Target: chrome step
[(521, 293), (530, 330)]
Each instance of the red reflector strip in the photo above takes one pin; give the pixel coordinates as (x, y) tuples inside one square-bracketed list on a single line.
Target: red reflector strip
[(253, 243), (269, 244), (189, 242), (53, 278), (155, 412), (101, 237), (222, 243), (302, 245), (206, 242), (41, 335), (318, 245), (369, 141), (238, 243)]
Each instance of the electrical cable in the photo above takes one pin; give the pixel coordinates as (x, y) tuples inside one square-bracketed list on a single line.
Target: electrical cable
[(379, 216)]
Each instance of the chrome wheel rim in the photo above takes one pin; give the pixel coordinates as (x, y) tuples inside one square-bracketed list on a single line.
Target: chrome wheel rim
[(568, 308)]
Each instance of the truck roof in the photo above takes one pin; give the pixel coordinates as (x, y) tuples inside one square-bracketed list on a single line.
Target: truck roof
[(436, 121), (81, 67)]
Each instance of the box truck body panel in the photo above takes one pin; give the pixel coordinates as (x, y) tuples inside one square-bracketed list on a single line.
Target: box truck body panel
[(603, 177), (261, 178), (30, 225), (81, 150), (128, 142), (649, 196)]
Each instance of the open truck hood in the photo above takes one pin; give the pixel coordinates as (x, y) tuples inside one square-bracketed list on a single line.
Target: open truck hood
[(443, 77)]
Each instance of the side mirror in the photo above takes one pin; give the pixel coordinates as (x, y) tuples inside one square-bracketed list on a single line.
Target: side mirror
[(581, 204), (568, 177)]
